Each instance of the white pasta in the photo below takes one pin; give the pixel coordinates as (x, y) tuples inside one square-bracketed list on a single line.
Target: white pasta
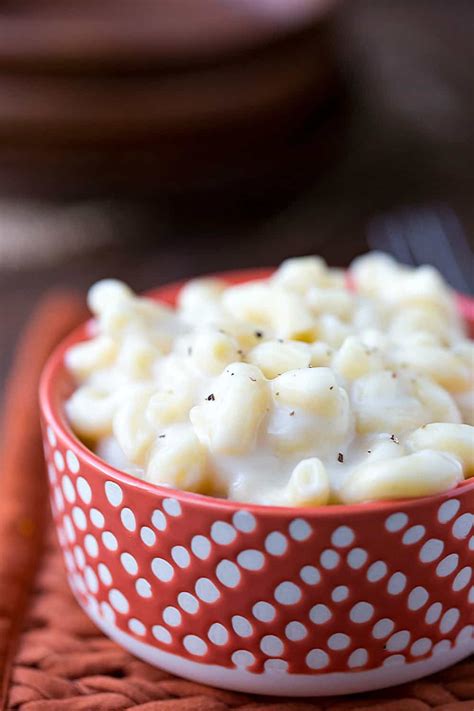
[(420, 474), (276, 357), (89, 356), (308, 485), (136, 356), (337, 302), (293, 390), (440, 364), (455, 439), (165, 407), (179, 460), (212, 351), (108, 293), (201, 297), (384, 403), (354, 359), (91, 411), (313, 389), (131, 428), (230, 418)]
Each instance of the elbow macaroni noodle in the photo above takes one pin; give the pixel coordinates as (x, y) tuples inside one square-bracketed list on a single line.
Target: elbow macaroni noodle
[(293, 390)]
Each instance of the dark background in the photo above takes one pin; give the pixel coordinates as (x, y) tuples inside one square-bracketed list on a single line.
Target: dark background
[(408, 140)]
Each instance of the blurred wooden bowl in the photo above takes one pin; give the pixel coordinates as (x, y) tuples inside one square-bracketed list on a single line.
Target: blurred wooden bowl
[(142, 96)]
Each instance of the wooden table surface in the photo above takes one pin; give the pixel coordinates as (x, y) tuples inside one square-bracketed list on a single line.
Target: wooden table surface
[(410, 141)]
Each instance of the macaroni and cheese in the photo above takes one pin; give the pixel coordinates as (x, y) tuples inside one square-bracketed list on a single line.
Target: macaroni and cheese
[(295, 390)]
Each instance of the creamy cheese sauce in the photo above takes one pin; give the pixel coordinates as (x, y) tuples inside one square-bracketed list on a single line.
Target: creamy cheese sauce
[(289, 391)]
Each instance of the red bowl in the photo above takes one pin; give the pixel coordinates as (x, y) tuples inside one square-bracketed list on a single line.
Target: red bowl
[(288, 601)]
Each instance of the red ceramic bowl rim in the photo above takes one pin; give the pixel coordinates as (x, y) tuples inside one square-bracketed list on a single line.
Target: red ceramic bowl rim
[(52, 410)]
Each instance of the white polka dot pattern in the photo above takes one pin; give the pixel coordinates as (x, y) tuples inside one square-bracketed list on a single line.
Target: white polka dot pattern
[(361, 612), (329, 559), (128, 519), (448, 510), (310, 575), (463, 525), (275, 666), (68, 489), (431, 550), (276, 543), (413, 535), (129, 563), (137, 627), (72, 462), (243, 659), (228, 573), (244, 521), (206, 590), (448, 565), (287, 593), (241, 626), (395, 522), (317, 659), (148, 536), (84, 490), (172, 507), (342, 537), (195, 645), (201, 547), (271, 645), (161, 634), (218, 634), (320, 613), (301, 594), (383, 628), (97, 518), (181, 556), (433, 613), (223, 533), (143, 588), (357, 659), (91, 545), (295, 631), (299, 529), (58, 460), (104, 574), (251, 559), (188, 603), (338, 641), (113, 493), (449, 620), (162, 570), (172, 616), (263, 611), (109, 540), (418, 598), (340, 593), (377, 571), (397, 583), (398, 641), (158, 520), (421, 647), (357, 558), (118, 601)]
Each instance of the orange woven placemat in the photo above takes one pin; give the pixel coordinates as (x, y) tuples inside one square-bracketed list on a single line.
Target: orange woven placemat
[(64, 662)]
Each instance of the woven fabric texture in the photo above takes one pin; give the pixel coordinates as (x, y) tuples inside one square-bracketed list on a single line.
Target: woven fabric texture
[(64, 662)]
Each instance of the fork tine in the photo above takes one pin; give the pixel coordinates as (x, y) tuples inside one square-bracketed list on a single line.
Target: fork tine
[(430, 244), (457, 237), (386, 233)]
